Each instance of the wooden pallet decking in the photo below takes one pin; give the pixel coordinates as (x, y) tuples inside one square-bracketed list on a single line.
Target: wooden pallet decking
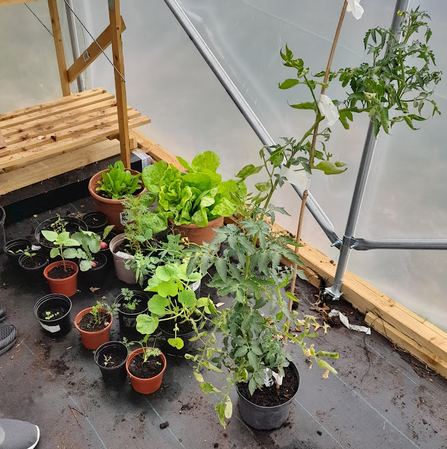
[(59, 136)]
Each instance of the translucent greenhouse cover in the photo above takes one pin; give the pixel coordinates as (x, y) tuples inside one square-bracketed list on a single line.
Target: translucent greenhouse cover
[(168, 80)]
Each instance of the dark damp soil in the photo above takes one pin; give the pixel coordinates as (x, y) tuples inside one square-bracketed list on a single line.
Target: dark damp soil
[(88, 324), (58, 272), (168, 327), (147, 370), (272, 396), (95, 220), (111, 358), (34, 261), (53, 313)]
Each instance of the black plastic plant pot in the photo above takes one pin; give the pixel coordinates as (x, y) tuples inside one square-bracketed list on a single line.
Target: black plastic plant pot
[(95, 277), (33, 266), (111, 359), (96, 221), (53, 313), (266, 418), (71, 225), (14, 249), (167, 349), (107, 251), (127, 318)]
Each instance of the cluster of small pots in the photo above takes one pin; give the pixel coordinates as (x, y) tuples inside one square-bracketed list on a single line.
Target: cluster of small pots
[(53, 313)]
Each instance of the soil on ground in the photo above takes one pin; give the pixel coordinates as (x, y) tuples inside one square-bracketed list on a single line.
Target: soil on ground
[(88, 323), (59, 272)]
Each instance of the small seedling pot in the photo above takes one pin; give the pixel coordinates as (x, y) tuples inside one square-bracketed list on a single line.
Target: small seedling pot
[(67, 286), (127, 319), (93, 340), (60, 306), (114, 374), (96, 221), (95, 277), (13, 246), (33, 267), (122, 273), (266, 418), (145, 386)]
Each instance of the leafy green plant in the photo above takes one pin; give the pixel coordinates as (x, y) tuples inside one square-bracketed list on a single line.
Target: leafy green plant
[(129, 300), (174, 301), (118, 182), (90, 244), (100, 309), (195, 197), (49, 315), (394, 87), (64, 245)]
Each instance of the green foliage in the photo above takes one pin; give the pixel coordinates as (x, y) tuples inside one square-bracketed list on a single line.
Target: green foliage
[(129, 301), (63, 244), (118, 183), (394, 87), (195, 197), (101, 308)]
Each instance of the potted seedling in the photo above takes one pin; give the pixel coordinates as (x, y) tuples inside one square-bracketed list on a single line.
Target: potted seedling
[(62, 274), (32, 264), (94, 324), (128, 249), (53, 313), (111, 187), (131, 303), (111, 359), (93, 262), (15, 248), (146, 366), (193, 202)]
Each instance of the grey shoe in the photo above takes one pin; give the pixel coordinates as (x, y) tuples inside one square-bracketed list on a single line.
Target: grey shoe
[(2, 314), (8, 337), (15, 434)]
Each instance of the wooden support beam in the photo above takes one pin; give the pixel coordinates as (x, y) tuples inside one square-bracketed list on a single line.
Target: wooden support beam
[(92, 52), (402, 341), (120, 84), (58, 43)]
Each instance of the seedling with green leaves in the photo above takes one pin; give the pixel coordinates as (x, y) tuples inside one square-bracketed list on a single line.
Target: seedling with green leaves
[(129, 300), (64, 245)]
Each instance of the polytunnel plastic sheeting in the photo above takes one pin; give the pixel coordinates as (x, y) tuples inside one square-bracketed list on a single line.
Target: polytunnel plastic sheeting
[(168, 80)]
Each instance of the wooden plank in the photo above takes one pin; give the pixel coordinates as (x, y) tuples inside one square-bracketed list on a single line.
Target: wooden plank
[(56, 165), (78, 128), (75, 141), (92, 52), (57, 109), (14, 2), (155, 150), (59, 45), (51, 104), (120, 85), (55, 121), (2, 140), (398, 338)]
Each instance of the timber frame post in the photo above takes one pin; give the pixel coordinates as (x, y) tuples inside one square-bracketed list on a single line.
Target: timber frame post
[(120, 83)]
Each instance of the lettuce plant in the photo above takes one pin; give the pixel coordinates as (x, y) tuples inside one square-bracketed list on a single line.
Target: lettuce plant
[(196, 196), (118, 183)]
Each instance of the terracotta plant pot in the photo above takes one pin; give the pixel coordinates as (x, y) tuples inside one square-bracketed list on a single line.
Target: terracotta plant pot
[(93, 340), (122, 273), (112, 208), (67, 286), (197, 234), (145, 386)]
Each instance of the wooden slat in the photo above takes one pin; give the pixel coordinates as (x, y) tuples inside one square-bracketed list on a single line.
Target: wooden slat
[(56, 110), (14, 2), (55, 122), (120, 85), (59, 46), (77, 128), (156, 151), (92, 52), (56, 165), (51, 104), (398, 338), (78, 140)]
